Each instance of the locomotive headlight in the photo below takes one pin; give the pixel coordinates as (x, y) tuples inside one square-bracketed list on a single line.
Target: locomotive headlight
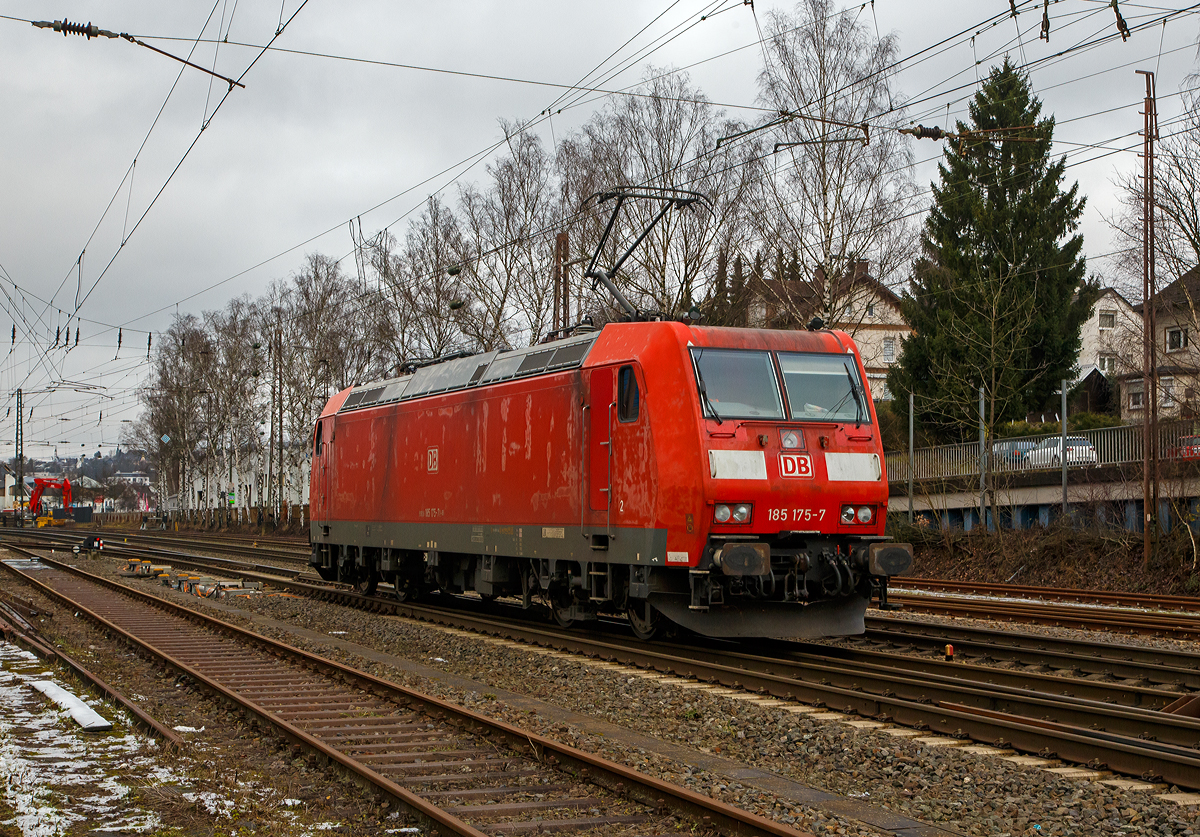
[(722, 514), (789, 439), (866, 514), (741, 512), (847, 514)]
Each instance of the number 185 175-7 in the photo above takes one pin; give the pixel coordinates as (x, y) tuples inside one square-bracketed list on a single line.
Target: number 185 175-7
[(795, 515)]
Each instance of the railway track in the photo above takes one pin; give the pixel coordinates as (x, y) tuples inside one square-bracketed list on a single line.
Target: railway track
[(461, 772), (1168, 624), (1054, 594), (1055, 710), (1161, 616)]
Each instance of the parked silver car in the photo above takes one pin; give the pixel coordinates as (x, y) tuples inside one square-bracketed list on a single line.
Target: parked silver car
[(1048, 453), (1008, 454)]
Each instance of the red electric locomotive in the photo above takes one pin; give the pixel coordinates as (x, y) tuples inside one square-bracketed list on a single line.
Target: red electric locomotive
[(730, 481)]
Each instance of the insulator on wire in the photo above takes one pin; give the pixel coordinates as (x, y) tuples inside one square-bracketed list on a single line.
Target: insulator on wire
[(921, 132), (120, 335), (57, 335), (76, 335), (14, 339), (149, 337), (65, 26)]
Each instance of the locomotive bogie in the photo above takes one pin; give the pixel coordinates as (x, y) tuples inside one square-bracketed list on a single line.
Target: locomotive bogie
[(730, 480)]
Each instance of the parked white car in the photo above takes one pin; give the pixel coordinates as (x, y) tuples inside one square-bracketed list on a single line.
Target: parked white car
[(1048, 453)]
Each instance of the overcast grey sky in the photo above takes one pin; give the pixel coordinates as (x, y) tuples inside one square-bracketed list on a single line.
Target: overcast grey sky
[(312, 142)]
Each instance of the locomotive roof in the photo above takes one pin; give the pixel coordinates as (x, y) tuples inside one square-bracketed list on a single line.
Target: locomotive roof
[(476, 370), (570, 353)]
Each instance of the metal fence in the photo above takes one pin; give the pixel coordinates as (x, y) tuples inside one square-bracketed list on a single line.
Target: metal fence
[(1114, 446)]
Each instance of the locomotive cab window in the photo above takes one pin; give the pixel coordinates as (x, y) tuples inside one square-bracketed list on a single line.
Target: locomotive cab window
[(824, 387), (627, 394), (318, 447), (735, 383)]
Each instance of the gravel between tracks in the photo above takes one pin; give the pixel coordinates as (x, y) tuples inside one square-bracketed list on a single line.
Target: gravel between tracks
[(972, 794)]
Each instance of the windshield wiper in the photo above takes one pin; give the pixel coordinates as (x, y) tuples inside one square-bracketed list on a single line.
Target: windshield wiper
[(704, 389), (858, 405)]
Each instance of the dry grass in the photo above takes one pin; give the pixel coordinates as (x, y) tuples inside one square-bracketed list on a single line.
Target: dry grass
[(1057, 556)]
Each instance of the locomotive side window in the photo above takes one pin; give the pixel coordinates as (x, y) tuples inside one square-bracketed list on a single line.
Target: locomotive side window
[(737, 384), (824, 387), (627, 394), (317, 439)]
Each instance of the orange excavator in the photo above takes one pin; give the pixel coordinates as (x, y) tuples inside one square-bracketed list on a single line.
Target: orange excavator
[(40, 484)]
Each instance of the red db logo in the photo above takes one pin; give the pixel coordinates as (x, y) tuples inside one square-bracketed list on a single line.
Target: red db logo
[(795, 465)]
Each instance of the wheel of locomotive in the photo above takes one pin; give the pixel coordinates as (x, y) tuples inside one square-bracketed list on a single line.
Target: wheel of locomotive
[(644, 619), (531, 586), (328, 573), (561, 616), (405, 587), (366, 582), (559, 599)]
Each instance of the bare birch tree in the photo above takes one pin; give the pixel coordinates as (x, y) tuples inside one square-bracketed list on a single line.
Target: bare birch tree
[(838, 188), (665, 137)]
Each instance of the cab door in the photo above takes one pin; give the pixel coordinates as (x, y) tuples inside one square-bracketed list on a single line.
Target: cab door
[(599, 446), (321, 456), (633, 485)]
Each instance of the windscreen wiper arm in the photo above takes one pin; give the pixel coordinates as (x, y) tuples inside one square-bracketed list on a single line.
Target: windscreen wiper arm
[(858, 405), (704, 389)]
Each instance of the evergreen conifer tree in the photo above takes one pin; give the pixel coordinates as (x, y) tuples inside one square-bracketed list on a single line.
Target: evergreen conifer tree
[(999, 296)]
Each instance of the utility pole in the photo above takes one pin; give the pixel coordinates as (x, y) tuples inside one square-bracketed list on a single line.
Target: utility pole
[(279, 386), (19, 488), (1149, 325), (562, 288), (911, 464), (983, 458), (1063, 446)]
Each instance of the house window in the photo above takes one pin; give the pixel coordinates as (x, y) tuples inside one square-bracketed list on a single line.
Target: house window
[(889, 349), (1108, 319), (879, 387), (1166, 389), (1177, 338), (870, 309), (1136, 396), (1107, 363)]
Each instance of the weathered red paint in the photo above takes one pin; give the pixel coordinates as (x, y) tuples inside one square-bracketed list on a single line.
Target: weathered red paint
[(526, 453)]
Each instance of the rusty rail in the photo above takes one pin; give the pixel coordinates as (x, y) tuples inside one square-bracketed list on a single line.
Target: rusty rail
[(623, 782)]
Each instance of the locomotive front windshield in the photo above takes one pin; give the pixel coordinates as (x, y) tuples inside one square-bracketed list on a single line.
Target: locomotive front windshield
[(824, 387), (737, 384)]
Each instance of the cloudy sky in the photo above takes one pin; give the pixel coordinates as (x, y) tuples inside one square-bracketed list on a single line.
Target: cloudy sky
[(362, 110)]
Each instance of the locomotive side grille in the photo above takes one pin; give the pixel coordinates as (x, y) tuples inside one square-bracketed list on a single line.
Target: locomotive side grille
[(477, 370), (570, 355), (502, 368), (370, 396), (535, 362)]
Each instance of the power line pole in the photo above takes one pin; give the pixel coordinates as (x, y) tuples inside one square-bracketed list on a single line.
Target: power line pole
[(19, 488), (562, 290), (279, 386), (1149, 325)]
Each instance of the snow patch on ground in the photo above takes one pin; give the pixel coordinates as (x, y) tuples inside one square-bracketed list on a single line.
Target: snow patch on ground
[(55, 774)]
